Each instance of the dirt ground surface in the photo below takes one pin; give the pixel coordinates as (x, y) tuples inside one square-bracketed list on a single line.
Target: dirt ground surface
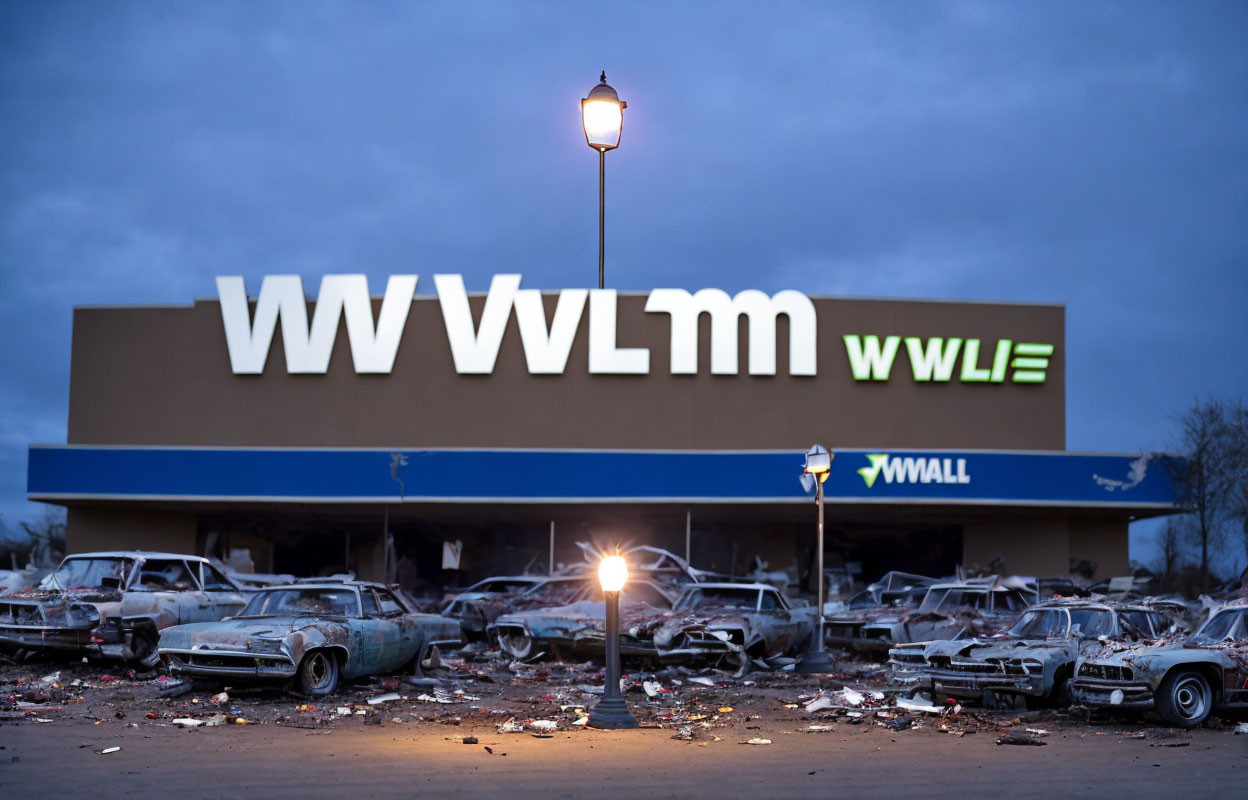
[(59, 720)]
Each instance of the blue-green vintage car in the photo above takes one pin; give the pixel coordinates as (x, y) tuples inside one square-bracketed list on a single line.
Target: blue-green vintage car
[(1183, 681), (311, 634)]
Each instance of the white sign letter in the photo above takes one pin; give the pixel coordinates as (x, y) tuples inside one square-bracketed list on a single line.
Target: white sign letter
[(604, 357), (547, 353), (475, 351)]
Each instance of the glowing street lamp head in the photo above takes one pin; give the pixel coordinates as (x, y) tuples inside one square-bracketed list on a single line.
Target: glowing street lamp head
[(612, 573), (818, 462), (602, 114)]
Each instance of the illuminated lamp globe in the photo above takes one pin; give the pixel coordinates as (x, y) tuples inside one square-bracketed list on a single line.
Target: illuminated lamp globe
[(612, 573), (602, 114)]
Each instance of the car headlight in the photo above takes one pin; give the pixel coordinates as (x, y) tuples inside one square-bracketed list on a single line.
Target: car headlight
[(266, 646)]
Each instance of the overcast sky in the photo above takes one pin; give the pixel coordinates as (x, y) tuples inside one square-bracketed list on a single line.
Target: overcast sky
[(1091, 154)]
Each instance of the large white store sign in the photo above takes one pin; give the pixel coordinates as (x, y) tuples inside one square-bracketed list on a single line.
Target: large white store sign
[(475, 345)]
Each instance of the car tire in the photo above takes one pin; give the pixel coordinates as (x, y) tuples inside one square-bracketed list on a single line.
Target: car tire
[(1184, 698), (318, 673), (1062, 693), (143, 646)]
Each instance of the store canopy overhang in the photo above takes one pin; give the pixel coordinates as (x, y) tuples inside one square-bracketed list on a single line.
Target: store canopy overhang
[(1136, 483)]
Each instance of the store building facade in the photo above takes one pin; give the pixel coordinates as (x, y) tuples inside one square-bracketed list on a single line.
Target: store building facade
[(366, 432)]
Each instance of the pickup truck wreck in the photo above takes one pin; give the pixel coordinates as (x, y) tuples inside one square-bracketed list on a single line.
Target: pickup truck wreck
[(1184, 681), (312, 634), (1034, 659), (733, 626), (114, 604)]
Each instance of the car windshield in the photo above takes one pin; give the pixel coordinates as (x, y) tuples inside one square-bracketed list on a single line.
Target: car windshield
[(1046, 622), (337, 602), (703, 598), (1226, 624), (89, 573)]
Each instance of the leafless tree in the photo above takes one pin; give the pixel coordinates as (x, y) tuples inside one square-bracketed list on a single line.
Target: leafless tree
[(1170, 543), (47, 536), (1205, 480)]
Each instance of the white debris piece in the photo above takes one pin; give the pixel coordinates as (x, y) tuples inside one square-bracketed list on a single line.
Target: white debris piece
[(41, 719), (187, 722), (757, 740), (544, 725), (386, 698), (54, 677), (581, 721), (108, 750), (851, 697), (432, 698), (220, 699), (1241, 728), (343, 711), (819, 728), (1038, 731), (652, 688), (702, 681), (511, 726), (920, 703), (818, 704)]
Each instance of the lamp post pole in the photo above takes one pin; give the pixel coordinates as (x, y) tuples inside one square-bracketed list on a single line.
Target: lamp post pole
[(816, 661), (602, 217), (612, 712)]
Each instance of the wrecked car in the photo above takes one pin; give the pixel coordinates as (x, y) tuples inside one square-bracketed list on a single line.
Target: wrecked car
[(892, 593), (578, 628), (483, 602), (972, 607), (312, 634), (1034, 659), (1184, 681), (114, 604), (731, 625)]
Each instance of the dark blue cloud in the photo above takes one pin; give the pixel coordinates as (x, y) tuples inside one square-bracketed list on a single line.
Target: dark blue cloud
[(1091, 155)]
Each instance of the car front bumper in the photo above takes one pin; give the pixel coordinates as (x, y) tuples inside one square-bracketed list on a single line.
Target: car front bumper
[(1099, 693)]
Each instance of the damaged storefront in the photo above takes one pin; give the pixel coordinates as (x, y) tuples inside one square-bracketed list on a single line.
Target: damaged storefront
[(433, 440)]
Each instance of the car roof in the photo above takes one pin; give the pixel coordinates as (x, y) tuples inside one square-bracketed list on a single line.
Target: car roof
[(753, 587), (145, 554)]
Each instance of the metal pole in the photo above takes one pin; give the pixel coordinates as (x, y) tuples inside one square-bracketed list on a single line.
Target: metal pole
[(551, 563), (602, 217), (819, 558), (612, 712), (688, 536)]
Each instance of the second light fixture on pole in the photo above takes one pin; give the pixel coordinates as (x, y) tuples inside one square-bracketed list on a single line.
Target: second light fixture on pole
[(602, 114)]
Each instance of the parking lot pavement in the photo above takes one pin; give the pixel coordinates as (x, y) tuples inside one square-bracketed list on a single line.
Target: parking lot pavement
[(811, 735)]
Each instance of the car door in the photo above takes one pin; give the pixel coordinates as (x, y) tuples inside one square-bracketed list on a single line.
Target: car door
[(779, 628), (380, 638), (220, 598), (164, 590), (405, 632)]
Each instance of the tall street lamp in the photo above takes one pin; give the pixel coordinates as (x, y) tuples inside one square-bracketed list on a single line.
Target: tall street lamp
[(612, 712), (818, 466), (602, 114)]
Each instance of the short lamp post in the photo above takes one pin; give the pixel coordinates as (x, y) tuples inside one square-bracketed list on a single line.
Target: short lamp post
[(612, 712), (818, 466), (602, 114)]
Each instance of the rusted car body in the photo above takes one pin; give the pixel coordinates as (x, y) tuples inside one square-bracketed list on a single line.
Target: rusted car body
[(313, 634), (485, 601), (1035, 659), (955, 610), (578, 629), (1183, 680), (892, 594), (114, 604), (731, 625)]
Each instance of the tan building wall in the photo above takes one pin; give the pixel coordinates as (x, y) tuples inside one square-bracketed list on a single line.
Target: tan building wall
[(92, 529), (1104, 541), (1037, 546), (161, 376)]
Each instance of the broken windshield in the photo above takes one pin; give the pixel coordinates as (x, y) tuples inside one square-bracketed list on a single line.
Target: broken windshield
[(1048, 622), (327, 602), (1226, 624), (719, 598), (89, 573)]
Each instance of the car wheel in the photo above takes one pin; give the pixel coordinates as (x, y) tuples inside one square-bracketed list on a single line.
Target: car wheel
[(143, 646), (318, 673), (1062, 695), (515, 643), (1185, 698)]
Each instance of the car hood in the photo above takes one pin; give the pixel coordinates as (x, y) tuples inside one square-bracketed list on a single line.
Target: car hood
[(236, 632), (982, 650)]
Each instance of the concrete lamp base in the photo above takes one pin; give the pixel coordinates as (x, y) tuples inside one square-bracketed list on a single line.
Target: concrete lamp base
[(816, 662), (611, 713)]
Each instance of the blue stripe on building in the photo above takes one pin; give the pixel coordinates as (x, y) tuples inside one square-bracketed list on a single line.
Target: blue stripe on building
[(343, 475)]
